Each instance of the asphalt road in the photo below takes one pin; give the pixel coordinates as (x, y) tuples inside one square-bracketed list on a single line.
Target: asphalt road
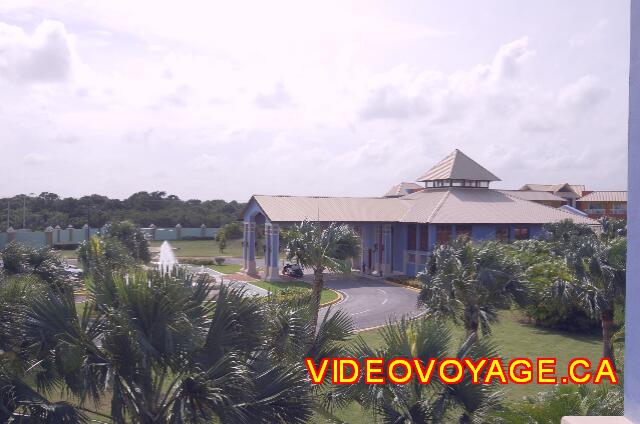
[(369, 301), (372, 302)]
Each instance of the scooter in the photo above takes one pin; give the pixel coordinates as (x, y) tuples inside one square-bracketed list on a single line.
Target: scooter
[(292, 270)]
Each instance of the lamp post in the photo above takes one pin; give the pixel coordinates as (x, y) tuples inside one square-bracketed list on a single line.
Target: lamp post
[(24, 210)]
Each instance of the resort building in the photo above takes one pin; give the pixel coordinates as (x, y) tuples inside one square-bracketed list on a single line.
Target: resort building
[(398, 231), (596, 204)]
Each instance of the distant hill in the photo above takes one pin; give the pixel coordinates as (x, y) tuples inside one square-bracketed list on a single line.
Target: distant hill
[(143, 208)]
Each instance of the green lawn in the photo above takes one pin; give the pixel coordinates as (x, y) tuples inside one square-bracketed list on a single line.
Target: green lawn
[(514, 339), (67, 254), (202, 248), (326, 296), (226, 268)]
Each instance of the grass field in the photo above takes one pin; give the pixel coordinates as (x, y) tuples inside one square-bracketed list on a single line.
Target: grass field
[(226, 268), (514, 339), (202, 248), (326, 296), (67, 254)]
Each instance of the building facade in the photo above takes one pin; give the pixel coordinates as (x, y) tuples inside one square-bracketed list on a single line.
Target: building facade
[(596, 204), (399, 232)]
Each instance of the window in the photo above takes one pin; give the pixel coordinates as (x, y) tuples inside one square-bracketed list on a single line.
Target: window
[(619, 208), (502, 233), (463, 230), (424, 236), (411, 237), (470, 183), (595, 208), (521, 233), (484, 184), (457, 183), (443, 234), (442, 183)]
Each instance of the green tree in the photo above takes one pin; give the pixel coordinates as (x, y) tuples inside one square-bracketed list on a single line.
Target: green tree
[(132, 238), (222, 241), (599, 283), (46, 264), (469, 283), (413, 402), (542, 268), (321, 248), (566, 235), (162, 350), (579, 400)]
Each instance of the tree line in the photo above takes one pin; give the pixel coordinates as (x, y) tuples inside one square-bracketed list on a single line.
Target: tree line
[(143, 208)]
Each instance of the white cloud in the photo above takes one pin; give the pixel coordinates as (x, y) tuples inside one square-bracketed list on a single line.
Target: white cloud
[(207, 101), (44, 56), (34, 159), (277, 98), (584, 94)]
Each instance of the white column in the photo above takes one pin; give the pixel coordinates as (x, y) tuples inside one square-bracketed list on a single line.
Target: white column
[(267, 251), (273, 253), (251, 248)]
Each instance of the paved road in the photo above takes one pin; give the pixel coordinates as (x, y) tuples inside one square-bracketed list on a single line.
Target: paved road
[(372, 302)]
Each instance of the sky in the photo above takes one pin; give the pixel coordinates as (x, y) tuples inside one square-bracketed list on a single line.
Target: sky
[(222, 100)]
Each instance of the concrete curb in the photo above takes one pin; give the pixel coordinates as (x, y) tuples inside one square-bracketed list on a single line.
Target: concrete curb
[(393, 283), (334, 301)]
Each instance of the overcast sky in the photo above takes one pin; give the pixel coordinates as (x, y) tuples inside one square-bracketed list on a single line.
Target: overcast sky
[(224, 100)]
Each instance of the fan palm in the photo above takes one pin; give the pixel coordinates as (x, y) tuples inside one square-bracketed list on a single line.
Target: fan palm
[(321, 248), (469, 283), (416, 403), (580, 400), (599, 283), (164, 349)]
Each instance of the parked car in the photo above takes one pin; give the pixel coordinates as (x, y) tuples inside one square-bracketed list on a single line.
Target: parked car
[(292, 270)]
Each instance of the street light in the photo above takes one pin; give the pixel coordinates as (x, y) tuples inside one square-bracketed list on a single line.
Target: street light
[(24, 210)]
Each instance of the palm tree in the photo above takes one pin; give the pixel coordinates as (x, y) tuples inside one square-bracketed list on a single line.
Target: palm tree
[(579, 400), (163, 347), (599, 283), (469, 283), (416, 403), (321, 248)]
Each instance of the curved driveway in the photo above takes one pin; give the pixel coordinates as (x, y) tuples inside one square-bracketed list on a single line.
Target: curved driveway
[(372, 302), (369, 301)]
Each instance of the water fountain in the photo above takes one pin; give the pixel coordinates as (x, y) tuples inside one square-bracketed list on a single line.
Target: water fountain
[(167, 260)]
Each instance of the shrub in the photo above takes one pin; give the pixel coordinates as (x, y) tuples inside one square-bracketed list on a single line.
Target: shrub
[(232, 230), (131, 237), (406, 281), (290, 296), (219, 261), (66, 246), (197, 261)]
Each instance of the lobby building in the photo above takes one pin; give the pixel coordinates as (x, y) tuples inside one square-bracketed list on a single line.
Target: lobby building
[(399, 230)]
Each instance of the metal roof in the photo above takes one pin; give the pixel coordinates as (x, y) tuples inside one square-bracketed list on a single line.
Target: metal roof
[(403, 189), (329, 209), (458, 166), (534, 195), (445, 206), (604, 196), (554, 188)]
